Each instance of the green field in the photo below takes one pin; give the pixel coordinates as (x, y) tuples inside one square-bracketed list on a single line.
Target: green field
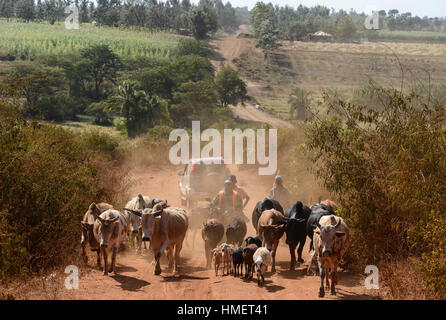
[(417, 36), (43, 38)]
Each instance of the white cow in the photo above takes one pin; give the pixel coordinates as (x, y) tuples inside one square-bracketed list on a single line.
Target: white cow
[(110, 230), (330, 240)]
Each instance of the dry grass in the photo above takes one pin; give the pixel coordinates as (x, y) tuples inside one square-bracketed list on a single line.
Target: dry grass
[(402, 280), (338, 66)]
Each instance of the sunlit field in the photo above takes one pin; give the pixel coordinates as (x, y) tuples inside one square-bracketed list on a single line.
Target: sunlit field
[(43, 38)]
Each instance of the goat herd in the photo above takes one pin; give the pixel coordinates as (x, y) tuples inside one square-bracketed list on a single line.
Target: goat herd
[(145, 219)]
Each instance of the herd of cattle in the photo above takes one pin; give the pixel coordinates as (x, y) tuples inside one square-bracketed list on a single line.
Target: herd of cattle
[(145, 219)]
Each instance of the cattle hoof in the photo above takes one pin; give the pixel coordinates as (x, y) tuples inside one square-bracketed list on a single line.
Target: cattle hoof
[(105, 273), (300, 260), (157, 272), (333, 292), (273, 270), (321, 293)]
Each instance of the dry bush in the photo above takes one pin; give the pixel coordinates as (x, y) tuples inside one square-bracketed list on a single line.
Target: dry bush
[(49, 177), (387, 165)]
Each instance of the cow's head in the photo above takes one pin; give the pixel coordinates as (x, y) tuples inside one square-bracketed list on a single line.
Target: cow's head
[(87, 226), (149, 218), (271, 233), (328, 236), (135, 221), (207, 228), (108, 227)]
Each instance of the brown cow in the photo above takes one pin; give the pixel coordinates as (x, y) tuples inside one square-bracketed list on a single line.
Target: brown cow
[(165, 227), (94, 210), (212, 232), (271, 227)]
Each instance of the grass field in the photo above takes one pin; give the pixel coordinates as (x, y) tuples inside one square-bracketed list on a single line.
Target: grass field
[(86, 123), (422, 36), (338, 66), (43, 38)]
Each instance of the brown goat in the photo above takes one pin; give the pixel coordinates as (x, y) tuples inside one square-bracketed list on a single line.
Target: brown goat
[(248, 261)]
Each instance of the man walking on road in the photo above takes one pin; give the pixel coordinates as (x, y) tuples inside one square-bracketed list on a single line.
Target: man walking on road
[(280, 193)]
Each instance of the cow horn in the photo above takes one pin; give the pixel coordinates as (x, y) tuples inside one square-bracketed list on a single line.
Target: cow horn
[(137, 212), (337, 224), (157, 213), (114, 219), (100, 219)]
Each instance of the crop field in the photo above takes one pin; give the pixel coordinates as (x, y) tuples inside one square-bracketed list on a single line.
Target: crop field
[(431, 36), (42, 38), (319, 66)]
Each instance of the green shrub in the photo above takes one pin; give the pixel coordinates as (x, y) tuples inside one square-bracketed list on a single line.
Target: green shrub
[(189, 46), (158, 133)]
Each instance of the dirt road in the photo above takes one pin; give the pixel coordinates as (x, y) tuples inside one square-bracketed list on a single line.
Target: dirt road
[(135, 279), (229, 48)]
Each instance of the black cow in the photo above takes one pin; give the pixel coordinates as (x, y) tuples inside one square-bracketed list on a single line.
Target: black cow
[(253, 240), (317, 211), (262, 205), (237, 260), (236, 231), (295, 229)]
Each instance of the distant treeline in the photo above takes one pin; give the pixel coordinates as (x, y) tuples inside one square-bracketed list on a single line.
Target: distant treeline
[(175, 15), (295, 24)]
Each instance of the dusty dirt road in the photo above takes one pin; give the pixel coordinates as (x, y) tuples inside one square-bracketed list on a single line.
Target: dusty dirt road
[(229, 48), (135, 279)]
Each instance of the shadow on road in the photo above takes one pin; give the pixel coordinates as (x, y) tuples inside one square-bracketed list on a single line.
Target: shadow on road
[(272, 287), (175, 278), (130, 283), (125, 269)]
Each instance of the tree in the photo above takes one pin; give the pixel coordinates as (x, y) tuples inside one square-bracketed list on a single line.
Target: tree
[(231, 89), (83, 12), (50, 11), (262, 18), (7, 9), (299, 100), (345, 28), (99, 111), (140, 111), (99, 64), (267, 43), (203, 21), (26, 10), (195, 101)]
